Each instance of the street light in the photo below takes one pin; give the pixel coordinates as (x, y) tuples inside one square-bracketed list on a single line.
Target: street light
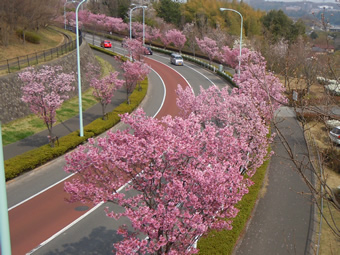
[(79, 76), (5, 239), (139, 6), (239, 61)]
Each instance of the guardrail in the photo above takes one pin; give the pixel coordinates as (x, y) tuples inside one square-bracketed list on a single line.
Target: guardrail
[(18, 63)]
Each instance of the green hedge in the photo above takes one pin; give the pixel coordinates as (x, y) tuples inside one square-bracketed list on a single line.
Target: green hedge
[(29, 36), (34, 158)]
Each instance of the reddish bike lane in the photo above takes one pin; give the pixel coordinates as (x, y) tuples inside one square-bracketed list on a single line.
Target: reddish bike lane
[(39, 218), (171, 79)]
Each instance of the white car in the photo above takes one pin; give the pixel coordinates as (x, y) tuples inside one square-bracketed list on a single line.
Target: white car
[(176, 59), (334, 134)]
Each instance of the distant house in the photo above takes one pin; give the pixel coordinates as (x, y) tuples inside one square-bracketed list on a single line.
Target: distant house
[(334, 29), (323, 49)]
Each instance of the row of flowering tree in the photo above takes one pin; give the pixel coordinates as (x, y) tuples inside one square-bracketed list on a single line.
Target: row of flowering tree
[(184, 170), (208, 46), (46, 89)]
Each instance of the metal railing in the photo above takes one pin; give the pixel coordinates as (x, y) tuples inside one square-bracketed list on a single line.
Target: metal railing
[(18, 63)]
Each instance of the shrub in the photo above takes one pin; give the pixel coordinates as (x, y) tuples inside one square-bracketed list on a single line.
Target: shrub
[(332, 158), (29, 36)]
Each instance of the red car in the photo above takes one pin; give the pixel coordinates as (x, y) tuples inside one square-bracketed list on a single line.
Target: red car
[(106, 44)]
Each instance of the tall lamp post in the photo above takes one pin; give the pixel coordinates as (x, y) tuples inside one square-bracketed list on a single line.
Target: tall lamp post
[(5, 239), (239, 61), (79, 76), (139, 6), (144, 7)]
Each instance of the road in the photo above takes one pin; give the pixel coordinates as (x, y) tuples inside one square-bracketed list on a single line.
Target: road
[(35, 220)]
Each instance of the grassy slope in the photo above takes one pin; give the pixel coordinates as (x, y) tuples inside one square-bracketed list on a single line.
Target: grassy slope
[(16, 47)]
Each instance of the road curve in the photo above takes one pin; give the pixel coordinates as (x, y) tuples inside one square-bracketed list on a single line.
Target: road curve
[(39, 218), (171, 79)]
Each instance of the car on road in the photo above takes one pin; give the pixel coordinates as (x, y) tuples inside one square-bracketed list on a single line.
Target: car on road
[(147, 51), (106, 44), (334, 134), (176, 59)]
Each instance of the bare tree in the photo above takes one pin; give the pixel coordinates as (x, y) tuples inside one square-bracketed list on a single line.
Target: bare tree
[(25, 14), (316, 109)]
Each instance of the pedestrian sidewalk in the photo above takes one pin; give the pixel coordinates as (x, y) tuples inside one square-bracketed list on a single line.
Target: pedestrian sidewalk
[(283, 220)]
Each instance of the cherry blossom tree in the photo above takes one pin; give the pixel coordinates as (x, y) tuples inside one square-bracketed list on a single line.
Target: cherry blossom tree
[(115, 24), (190, 31), (134, 72), (209, 47), (165, 40), (98, 21), (176, 37), (185, 179), (104, 89), (248, 108), (151, 33), (135, 48), (45, 90), (231, 56), (137, 30), (235, 110), (261, 85)]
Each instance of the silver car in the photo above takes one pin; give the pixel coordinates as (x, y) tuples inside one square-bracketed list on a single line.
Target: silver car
[(334, 134), (176, 59)]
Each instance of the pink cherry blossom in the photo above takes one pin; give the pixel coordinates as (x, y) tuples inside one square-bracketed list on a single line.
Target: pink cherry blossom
[(104, 89), (208, 46), (45, 90), (199, 186), (134, 72), (176, 37)]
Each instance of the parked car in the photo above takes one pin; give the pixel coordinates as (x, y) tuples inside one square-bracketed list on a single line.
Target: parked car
[(176, 59), (334, 134), (106, 44), (147, 51)]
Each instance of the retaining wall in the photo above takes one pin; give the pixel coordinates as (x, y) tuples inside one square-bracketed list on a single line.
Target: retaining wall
[(11, 106)]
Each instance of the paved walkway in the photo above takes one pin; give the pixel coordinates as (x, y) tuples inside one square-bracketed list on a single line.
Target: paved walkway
[(283, 220)]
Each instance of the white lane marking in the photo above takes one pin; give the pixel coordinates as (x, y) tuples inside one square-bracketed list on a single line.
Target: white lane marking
[(193, 70), (40, 192), (164, 94), (72, 223)]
